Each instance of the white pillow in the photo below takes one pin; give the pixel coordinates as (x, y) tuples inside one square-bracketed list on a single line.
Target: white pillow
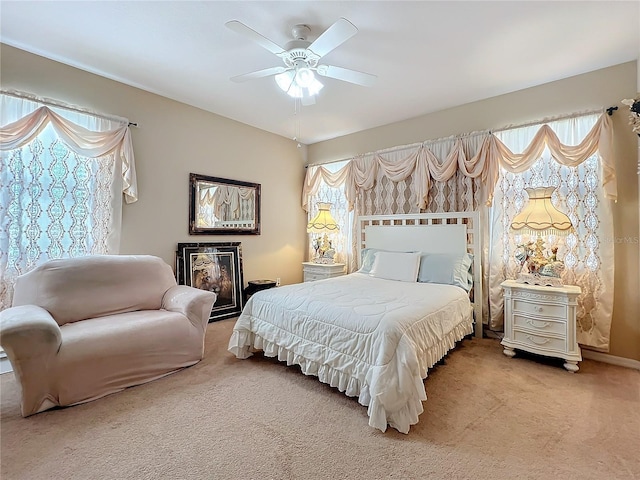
[(396, 266)]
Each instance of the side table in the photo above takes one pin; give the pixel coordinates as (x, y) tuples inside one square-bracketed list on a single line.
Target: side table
[(319, 271), (257, 285), (541, 320)]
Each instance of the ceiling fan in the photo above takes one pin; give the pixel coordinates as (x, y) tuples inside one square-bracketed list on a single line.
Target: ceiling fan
[(300, 57)]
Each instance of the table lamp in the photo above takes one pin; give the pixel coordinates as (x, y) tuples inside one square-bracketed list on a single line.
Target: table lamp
[(540, 218), (323, 223)]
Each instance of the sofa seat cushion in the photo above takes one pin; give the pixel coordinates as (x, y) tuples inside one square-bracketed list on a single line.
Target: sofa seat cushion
[(104, 355)]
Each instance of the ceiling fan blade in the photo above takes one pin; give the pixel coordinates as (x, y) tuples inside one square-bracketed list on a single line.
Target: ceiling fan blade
[(335, 35), (258, 74), (261, 40), (308, 100), (347, 75)]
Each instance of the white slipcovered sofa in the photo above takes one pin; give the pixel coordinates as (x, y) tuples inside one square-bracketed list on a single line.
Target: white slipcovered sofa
[(82, 328)]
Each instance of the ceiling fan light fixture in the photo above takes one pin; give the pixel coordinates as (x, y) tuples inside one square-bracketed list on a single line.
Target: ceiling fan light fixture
[(305, 77), (289, 83), (298, 78), (285, 80), (314, 87)]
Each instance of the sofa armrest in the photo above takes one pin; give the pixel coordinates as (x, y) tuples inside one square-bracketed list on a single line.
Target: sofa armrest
[(32, 339), (193, 303), (28, 331)]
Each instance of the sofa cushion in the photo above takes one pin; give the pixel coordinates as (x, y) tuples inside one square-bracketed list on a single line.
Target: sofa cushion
[(99, 356), (74, 289)]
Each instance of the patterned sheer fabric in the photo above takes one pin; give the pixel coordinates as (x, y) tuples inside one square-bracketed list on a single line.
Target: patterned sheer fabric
[(54, 203), (587, 253), (459, 193)]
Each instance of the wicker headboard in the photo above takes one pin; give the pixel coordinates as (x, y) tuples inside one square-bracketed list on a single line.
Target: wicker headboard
[(455, 232)]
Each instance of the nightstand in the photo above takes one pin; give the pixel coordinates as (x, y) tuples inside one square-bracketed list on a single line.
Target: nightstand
[(541, 320), (256, 286), (319, 271)]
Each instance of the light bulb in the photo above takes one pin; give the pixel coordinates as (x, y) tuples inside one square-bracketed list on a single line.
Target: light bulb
[(305, 77)]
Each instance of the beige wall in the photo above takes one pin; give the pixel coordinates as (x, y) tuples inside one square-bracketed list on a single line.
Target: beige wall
[(597, 89), (174, 139)]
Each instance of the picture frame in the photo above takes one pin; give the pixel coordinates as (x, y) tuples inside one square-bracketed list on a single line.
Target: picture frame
[(216, 267), (222, 206)]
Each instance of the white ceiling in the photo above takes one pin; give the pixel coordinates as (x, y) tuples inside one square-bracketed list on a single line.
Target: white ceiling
[(427, 55)]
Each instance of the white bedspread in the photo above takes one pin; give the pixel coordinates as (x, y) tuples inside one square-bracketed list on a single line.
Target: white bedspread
[(370, 338)]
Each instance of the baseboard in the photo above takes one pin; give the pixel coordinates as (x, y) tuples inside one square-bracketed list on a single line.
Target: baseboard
[(611, 359), (5, 365)]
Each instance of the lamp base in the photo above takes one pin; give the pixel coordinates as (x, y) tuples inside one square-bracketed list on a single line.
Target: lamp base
[(537, 279)]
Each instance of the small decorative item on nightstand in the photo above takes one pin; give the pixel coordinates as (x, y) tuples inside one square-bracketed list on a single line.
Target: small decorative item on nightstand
[(539, 218), (318, 271), (541, 320)]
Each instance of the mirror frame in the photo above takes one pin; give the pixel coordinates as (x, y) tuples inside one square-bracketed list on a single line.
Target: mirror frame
[(194, 179)]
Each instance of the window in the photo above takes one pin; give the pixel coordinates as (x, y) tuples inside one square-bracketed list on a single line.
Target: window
[(587, 253), (55, 202), (341, 240)]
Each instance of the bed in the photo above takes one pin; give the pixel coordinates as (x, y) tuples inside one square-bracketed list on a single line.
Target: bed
[(373, 334)]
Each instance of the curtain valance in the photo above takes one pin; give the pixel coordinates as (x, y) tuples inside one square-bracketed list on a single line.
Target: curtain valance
[(83, 142), (360, 172)]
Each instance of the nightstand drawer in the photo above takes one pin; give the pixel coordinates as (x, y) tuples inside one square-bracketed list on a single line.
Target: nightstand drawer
[(320, 271), (540, 341), (541, 326), (312, 277), (539, 309)]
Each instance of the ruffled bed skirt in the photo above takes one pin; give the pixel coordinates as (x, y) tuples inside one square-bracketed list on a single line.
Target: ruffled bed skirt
[(399, 409)]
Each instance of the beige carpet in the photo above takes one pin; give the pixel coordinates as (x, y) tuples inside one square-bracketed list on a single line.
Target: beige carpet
[(486, 417)]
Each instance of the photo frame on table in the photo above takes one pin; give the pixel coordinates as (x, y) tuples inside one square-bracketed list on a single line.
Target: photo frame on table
[(216, 267)]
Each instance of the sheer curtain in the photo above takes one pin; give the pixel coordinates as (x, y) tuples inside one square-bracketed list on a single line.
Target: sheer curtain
[(588, 253), (62, 178), (451, 192), (341, 240)]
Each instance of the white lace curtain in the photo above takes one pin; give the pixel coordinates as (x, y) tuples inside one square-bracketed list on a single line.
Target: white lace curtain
[(463, 173), (63, 174), (341, 240), (587, 253)]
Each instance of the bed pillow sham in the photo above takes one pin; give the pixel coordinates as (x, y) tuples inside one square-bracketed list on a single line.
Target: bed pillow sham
[(367, 257), (448, 269), (398, 266)]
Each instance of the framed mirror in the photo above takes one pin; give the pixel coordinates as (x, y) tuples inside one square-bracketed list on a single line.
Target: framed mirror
[(219, 206)]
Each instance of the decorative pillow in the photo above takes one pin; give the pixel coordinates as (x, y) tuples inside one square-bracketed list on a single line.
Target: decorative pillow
[(449, 269), (396, 266)]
